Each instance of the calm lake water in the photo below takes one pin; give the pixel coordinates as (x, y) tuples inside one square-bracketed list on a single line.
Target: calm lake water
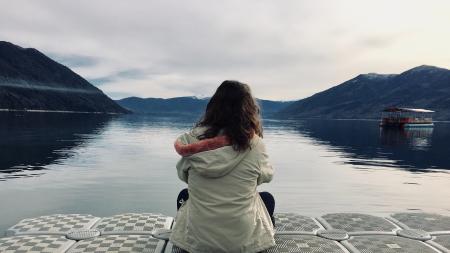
[(104, 165)]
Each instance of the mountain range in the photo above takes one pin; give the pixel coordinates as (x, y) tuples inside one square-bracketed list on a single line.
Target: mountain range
[(29, 80), (362, 97), (366, 95), (188, 105)]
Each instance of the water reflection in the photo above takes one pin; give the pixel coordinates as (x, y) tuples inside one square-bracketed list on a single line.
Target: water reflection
[(416, 138), (105, 166), (364, 145), (31, 141)]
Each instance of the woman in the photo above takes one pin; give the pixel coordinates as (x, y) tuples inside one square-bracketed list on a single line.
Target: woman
[(223, 161)]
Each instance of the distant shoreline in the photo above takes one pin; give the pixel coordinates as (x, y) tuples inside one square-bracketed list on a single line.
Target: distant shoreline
[(57, 111), (181, 115)]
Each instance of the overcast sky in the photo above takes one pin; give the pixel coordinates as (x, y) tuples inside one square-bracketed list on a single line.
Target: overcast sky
[(284, 49)]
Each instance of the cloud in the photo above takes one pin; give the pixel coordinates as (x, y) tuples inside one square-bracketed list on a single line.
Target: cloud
[(132, 74), (283, 49), (99, 81), (123, 75), (74, 61)]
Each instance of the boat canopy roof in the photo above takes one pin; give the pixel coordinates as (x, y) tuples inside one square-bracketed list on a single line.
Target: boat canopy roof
[(401, 109)]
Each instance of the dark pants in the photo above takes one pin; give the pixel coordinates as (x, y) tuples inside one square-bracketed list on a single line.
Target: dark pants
[(266, 197)]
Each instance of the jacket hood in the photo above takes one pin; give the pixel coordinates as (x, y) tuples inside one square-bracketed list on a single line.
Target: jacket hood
[(213, 157)]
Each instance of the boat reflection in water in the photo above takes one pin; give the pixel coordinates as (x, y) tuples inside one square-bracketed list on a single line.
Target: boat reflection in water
[(416, 138), (363, 144)]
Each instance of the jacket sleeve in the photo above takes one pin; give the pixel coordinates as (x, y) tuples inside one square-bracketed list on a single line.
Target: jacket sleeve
[(266, 170), (183, 165)]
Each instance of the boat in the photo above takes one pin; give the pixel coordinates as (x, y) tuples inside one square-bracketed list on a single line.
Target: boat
[(398, 117)]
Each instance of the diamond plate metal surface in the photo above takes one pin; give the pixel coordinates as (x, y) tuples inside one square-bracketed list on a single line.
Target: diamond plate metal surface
[(291, 222), (132, 232), (355, 222), (425, 221), (416, 234), (304, 244), (53, 224), (388, 244), (333, 234), (35, 244), (291, 243), (175, 249), (133, 223), (119, 244), (444, 241), (82, 234)]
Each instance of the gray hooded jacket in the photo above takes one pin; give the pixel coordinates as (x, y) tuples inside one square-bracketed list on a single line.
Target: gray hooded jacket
[(224, 212)]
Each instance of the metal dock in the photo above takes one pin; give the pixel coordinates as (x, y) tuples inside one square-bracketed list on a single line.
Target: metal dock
[(147, 232)]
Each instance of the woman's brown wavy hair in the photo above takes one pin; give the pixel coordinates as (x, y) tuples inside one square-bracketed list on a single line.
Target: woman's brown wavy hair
[(233, 110)]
